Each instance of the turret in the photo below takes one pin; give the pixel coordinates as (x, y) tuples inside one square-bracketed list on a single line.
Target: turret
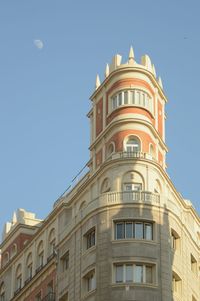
[(128, 113)]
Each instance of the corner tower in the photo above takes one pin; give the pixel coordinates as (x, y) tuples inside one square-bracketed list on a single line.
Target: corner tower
[(128, 113)]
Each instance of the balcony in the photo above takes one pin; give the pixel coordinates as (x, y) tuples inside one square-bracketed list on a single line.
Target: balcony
[(131, 155), (49, 297)]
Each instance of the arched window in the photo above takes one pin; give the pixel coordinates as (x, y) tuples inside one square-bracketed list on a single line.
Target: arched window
[(151, 151), (5, 258), (40, 255), (29, 267), (110, 149), (18, 277), (132, 145), (105, 186), (13, 250), (2, 292), (51, 242)]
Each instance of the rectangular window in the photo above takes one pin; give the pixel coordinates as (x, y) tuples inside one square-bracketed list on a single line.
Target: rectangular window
[(175, 240), (139, 230), (148, 231), (125, 97), (120, 99), (114, 102), (90, 281), (119, 273), (65, 261), (129, 230), (134, 273), (90, 238), (138, 274), (129, 273), (133, 229), (149, 276), (119, 231)]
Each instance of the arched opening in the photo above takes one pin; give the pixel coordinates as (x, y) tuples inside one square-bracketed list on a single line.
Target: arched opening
[(2, 292), (40, 255), (132, 145), (105, 186), (29, 267), (13, 250), (110, 149), (18, 277), (51, 242)]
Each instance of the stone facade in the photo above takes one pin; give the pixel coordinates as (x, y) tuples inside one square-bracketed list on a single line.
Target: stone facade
[(122, 232)]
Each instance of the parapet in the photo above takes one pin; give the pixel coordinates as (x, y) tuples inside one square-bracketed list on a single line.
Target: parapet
[(20, 217)]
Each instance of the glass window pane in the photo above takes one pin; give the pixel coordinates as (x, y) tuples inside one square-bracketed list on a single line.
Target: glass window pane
[(128, 187), (129, 273), (149, 278), (119, 230), (129, 230), (137, 187), (139, 230), (148, 231), (125, 97), (120, 99), (138, 273), (132, 97), (119, 273)]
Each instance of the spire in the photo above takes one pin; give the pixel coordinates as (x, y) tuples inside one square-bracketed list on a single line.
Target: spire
[(107, 71), (98, 83), (131, 55), (146, 61), (154, 70)]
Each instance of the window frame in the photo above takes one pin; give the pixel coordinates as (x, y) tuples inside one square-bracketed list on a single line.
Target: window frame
[(134, 222), (120, 276)]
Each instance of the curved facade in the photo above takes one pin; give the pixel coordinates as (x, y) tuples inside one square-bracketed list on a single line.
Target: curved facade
[(123, 232)]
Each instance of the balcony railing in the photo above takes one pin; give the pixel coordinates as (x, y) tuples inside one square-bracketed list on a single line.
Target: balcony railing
[(49, 297), (129, 155), (131, 197)]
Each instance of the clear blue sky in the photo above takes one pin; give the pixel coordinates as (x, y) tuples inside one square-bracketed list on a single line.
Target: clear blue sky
[(44, 93)]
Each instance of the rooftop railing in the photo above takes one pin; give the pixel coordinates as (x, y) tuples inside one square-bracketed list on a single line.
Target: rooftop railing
[(129, 155)]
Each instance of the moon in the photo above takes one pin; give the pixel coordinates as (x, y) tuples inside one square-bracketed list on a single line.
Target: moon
[(38, 44)]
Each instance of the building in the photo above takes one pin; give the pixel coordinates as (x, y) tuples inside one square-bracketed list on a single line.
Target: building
[(122, 232)]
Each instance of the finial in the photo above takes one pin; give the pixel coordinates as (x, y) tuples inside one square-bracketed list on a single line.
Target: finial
[(154, 70), (160, 82), (14, 219), (98, 83), (131, 55), (107, 71), (146, 61)]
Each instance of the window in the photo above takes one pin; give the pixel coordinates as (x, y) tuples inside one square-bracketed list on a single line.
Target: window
[(132, 187), (133, 229), (176, 283), (132, 97), (65, 261), (13, 250), (18, 278), (40, 256), (193, 264), (90, 238), (29, 267), (2, 292), (50, 288), (134, 273), (132, 145), (175, 240), (90, 281), (51, 242), (38, 297)]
